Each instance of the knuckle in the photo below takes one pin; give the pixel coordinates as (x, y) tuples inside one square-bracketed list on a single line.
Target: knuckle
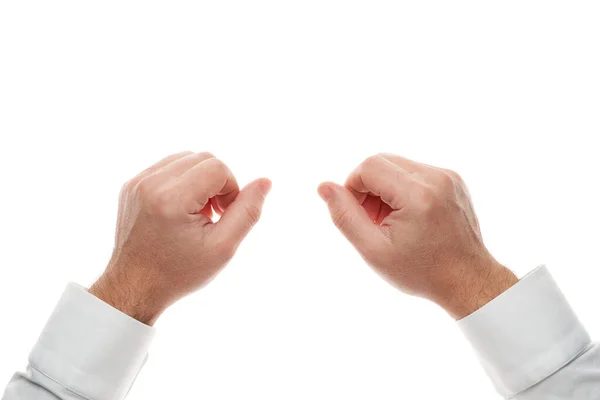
[(372, 161), (446, 182), (341, 219), (205, 155), (128, 186), (143, 189), (218, 166), (455, 176), (253, 212), (388, 157)]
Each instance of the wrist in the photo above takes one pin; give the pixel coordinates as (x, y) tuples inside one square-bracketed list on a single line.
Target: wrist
[(128, 296), (475, 288)]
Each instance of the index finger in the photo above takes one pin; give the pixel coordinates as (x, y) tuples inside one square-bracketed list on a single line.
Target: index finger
[(210, 179), (381, 177)]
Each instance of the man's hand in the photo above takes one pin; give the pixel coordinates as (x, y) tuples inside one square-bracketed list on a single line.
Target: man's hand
[(415, 225), (166, 244)]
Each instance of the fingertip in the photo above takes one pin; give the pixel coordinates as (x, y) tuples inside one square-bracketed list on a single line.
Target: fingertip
[(265, 185), (327, 190), (244, 212), (260, 185)]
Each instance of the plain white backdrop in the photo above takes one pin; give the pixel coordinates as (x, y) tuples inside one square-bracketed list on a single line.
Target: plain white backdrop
[(507, 93)]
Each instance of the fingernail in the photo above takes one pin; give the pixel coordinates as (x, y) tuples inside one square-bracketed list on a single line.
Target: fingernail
[(326, 192)]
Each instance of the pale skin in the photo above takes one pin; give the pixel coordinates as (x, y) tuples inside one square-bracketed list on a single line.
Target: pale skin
[(167, 245), (413, 223)]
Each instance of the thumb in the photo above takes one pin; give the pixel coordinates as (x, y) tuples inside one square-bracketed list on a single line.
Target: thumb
[(350, 217), (244, 212)]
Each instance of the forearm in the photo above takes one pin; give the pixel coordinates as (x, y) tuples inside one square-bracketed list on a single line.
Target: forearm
[(166, 247), (466, 290), (416, 226), (134, 296)]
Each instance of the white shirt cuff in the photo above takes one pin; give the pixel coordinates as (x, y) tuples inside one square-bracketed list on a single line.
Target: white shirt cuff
[(91, 348), (525, 334)]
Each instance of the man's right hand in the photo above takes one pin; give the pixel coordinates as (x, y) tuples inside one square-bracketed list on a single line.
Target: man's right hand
[(415, 225), (166, 243)]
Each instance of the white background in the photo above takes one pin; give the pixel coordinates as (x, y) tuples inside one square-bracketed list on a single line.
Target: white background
[(91, 93)]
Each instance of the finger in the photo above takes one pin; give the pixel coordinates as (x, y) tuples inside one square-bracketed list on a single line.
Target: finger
[(403, 162), (408, 164), (243, 213), (222, 201), (350, 217), (155, 167), (384, 211), (380, 177), (376, 209), (423, 172), (209, 178), (207, 211), (372, 205), (215, 206), (181, 165)]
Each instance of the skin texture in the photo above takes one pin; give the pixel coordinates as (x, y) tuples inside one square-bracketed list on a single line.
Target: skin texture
[(415, 225), (166, 243)]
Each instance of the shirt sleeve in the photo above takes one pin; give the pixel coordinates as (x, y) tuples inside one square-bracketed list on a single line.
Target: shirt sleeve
[(531, 344), (87, 350)]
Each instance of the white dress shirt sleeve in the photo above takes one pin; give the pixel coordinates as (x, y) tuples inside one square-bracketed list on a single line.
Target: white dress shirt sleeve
[(88, 350), (531, 344), (528, 339)]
